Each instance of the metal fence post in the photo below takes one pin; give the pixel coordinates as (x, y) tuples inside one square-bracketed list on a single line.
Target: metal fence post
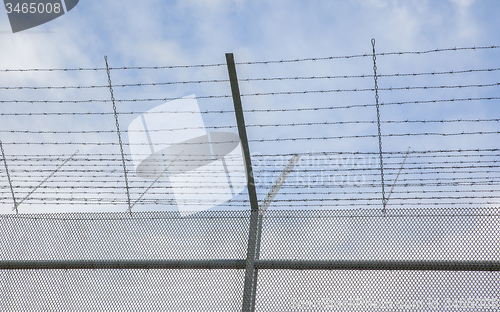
[(252, 193)]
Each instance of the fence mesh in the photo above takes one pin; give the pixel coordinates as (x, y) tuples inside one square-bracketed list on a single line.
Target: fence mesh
[(433, 234)]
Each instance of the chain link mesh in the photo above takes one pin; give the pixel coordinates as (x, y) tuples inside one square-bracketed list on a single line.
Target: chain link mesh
[(432, 234)]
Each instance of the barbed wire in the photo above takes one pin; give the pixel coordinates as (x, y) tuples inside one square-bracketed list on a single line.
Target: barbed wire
[(354, 163), (432, 177), (270, 110), (293, 124), (153, 84), (262, 94), (366, 171), (266, 140), (262, 192), (162, 185), (252, 63), (387, 154), (287, 202)]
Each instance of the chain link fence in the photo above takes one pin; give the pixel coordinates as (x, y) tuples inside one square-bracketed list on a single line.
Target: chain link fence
[(305, 237)]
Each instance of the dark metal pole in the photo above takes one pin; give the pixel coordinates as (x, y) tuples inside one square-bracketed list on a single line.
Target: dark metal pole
[(382, 265), (257, 255), (252, 193), (214, 264)]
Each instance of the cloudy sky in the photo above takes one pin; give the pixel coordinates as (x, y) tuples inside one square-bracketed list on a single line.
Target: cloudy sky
[(448, 122), (192, 32), (195, 31)]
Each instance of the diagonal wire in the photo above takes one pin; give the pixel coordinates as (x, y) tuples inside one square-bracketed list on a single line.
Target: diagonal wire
[(53, 172), (156, 180), (396, 180), (378, 124), (119, 135), (8, 177)]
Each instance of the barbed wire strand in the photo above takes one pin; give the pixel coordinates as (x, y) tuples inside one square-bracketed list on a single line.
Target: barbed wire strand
[(260, 94), (268, 110), (293, 124), (443, 153), (154, 84), (322, 138), (252, 63)]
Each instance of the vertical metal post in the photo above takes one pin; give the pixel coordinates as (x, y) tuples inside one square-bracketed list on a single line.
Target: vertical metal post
[(252, 193)]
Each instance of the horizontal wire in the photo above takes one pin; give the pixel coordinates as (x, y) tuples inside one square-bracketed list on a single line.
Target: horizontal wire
[(193, 178), (264, 179), (387, 154), (262, 193), (265, 140), (253, 63), (294, 124), (360, 191), (205, 202), (279, 203), (295, 200), (394, 154), (93, 174), (98, 163), (337, 166), (251, 79), (189, 184), (262, 94), (259, 110)]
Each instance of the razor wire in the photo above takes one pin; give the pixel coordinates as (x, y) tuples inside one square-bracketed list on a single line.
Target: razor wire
[(474, 48)]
